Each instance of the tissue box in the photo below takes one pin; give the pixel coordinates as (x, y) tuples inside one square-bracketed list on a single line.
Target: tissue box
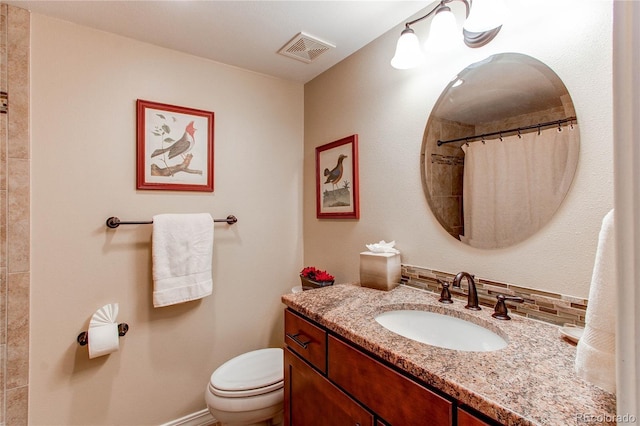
[(379, 270)]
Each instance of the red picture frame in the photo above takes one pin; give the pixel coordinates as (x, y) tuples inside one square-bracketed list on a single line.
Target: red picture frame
[(174, 147), (337, 187)]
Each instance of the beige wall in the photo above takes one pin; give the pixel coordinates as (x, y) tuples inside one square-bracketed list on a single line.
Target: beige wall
[(84, 87), (389, 109)]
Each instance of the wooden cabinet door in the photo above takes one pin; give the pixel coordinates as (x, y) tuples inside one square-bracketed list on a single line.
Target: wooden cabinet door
[(395, 398), (311, 400)]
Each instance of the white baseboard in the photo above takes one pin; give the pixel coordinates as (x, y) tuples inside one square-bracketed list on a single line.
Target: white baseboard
[(199, 418)]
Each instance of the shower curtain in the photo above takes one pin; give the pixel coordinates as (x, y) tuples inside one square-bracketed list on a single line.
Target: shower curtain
[(512, 187)]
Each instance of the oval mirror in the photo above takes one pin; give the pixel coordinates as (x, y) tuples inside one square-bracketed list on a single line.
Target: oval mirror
[(499, 151)]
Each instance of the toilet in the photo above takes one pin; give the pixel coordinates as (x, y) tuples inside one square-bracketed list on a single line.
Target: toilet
[(248, 389)]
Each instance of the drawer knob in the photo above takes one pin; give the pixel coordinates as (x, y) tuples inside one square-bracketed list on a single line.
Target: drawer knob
[(296, 339)]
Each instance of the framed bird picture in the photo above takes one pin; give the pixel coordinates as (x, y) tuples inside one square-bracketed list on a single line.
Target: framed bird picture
[(337, 179), (174, 147)]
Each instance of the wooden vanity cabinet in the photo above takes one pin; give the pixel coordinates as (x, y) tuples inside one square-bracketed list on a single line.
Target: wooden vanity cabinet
[(312, 400), (330, 382)]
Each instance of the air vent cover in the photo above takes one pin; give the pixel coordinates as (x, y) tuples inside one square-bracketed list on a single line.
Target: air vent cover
[(305, 48)]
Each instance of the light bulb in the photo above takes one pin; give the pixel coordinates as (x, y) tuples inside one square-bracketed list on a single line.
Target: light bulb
[(443, 34), (408, 53)]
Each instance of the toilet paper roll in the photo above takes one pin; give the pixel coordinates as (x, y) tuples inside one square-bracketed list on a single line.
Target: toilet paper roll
[(103, 331), (103, 340)]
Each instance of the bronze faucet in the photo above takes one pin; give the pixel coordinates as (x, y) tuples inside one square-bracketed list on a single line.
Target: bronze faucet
[(472, 298), (445, 295), (500, 311)]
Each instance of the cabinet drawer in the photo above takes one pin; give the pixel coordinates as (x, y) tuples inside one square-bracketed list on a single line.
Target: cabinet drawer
[(306, 339), (467, 419), (397, 399)]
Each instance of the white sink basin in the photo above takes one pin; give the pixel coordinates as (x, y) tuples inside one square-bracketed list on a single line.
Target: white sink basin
[(441, 330)]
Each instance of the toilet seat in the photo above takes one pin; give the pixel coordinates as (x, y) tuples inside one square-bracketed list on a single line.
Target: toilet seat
[(250, 374), (247, 393)]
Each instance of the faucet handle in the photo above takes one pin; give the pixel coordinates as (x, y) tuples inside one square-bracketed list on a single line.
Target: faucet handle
[(445, 295), (500, 311)]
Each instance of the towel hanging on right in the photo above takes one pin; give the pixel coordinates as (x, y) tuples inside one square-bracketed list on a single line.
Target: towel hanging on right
[(595, 354)]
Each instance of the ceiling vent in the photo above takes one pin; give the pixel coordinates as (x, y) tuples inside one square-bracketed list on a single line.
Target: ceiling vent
[(305, 48)]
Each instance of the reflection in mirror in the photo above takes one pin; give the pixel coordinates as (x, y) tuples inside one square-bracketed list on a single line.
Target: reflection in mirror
[(499, 151)]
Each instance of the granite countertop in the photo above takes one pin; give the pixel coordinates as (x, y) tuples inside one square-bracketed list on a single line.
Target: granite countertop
[(530, 382)]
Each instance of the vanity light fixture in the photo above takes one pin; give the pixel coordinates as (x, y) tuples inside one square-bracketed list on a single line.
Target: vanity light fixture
[(458, 82), (483, 22)]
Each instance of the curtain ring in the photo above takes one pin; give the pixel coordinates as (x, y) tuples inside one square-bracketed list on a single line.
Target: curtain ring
[(483, 142), (466, 142), (538, 130), (571, 123), (519, 135), (501, 137), (559, 128)]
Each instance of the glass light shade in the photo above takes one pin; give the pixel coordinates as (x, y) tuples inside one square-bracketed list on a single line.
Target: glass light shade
[(408, 53), (485, 15), (443, 34)]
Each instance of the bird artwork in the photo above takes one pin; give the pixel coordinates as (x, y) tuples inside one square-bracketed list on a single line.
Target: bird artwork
[(334, 175), (337, 197), (181, 146)]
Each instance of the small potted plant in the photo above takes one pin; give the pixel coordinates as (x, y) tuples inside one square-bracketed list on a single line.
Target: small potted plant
[(311, 277)]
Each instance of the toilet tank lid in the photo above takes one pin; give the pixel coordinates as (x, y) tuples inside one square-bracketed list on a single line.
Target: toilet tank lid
[(250, 370)]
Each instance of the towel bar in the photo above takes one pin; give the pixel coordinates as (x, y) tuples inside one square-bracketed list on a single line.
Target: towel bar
[(83, 338), (113, 222)]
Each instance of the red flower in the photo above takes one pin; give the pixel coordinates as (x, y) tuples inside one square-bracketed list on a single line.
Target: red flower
[(315, 274)]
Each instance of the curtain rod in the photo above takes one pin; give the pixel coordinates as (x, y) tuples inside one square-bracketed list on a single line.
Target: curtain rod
[(517, 130)]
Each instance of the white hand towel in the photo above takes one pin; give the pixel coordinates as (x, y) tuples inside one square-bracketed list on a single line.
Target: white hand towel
[(595, 356), (182, 246)]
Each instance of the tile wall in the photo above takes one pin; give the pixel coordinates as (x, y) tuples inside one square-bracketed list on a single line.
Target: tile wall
[(540, 305), (443, 176), (14, 216)]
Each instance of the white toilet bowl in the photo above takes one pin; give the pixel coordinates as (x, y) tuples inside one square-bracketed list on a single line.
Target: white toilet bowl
[(248, 389)]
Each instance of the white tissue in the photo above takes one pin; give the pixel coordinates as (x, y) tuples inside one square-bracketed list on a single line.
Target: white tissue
[(383, 247), (103, 331)]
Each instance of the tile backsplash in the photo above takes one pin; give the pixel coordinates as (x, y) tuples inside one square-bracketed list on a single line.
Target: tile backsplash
[(540, 305)]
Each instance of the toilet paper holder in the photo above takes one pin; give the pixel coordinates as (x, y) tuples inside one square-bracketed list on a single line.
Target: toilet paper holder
[(83, 338)]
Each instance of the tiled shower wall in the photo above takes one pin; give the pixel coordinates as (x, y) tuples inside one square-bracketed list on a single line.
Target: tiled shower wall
[(14, 216), (445, 173)]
